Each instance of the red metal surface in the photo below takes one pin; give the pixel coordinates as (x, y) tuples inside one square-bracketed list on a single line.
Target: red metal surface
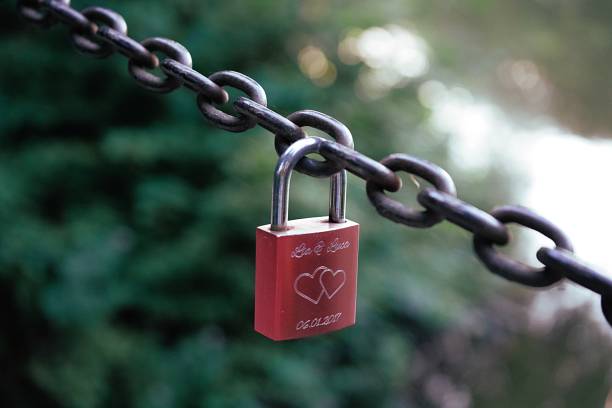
[(306, 278)]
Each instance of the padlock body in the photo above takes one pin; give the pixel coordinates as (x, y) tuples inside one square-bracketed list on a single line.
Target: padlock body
[(306, 278)]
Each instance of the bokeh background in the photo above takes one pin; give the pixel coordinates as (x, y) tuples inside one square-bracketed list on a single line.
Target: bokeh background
[(127, 223)]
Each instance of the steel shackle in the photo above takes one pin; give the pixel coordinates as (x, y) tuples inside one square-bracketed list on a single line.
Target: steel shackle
[(282, 180)]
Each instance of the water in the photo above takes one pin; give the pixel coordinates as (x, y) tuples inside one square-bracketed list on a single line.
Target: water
[(563, 177)]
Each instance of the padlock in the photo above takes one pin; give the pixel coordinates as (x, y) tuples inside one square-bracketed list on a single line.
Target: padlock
[(306, 269)]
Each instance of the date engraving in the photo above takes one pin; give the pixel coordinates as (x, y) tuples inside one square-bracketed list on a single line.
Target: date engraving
[(318, 321)]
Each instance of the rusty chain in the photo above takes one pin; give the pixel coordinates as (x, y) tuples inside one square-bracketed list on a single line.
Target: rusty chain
[(99, 32)]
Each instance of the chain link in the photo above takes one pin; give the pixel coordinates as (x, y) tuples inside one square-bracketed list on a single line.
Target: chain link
[(195, 81), (606, 307), (464, 215), (86, 42), (270, 120), (361, 165), (151, 81), (327, 124), (99, 32), (69, 16), (575, 270), (224, 120), (37, 12), (121, 42), (396, 211), (514, 270)]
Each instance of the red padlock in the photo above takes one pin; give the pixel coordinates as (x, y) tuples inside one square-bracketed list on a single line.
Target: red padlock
[(306, 269)]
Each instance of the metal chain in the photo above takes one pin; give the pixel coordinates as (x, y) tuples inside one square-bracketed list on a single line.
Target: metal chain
[(99, 32)]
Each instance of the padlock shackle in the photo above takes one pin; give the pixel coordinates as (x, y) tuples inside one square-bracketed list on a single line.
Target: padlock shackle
[(282, 180)]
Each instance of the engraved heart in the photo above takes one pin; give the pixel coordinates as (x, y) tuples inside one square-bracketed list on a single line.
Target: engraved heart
[(332, 282), (307, 285)]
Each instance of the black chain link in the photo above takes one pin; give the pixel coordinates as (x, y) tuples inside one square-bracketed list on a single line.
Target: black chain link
[(86, 42), (72, 18), (396, 211), (121, 42), (326, 124), (195, 81), (465, 215), (36, 12), (151, 81), (224, 120), (99, 32), (606, 306), (514, 270), (564, 262)]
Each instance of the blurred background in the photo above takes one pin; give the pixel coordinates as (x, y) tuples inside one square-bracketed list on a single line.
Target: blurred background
[(128, 223)]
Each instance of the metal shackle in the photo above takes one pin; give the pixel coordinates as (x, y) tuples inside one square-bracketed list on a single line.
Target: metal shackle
[(282, 180)]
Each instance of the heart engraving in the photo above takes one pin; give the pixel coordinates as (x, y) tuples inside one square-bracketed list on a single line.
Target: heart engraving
[(312, 286), (332, 282)]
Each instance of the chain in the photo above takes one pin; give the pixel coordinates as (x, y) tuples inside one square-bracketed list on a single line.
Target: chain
[(100, 32)]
